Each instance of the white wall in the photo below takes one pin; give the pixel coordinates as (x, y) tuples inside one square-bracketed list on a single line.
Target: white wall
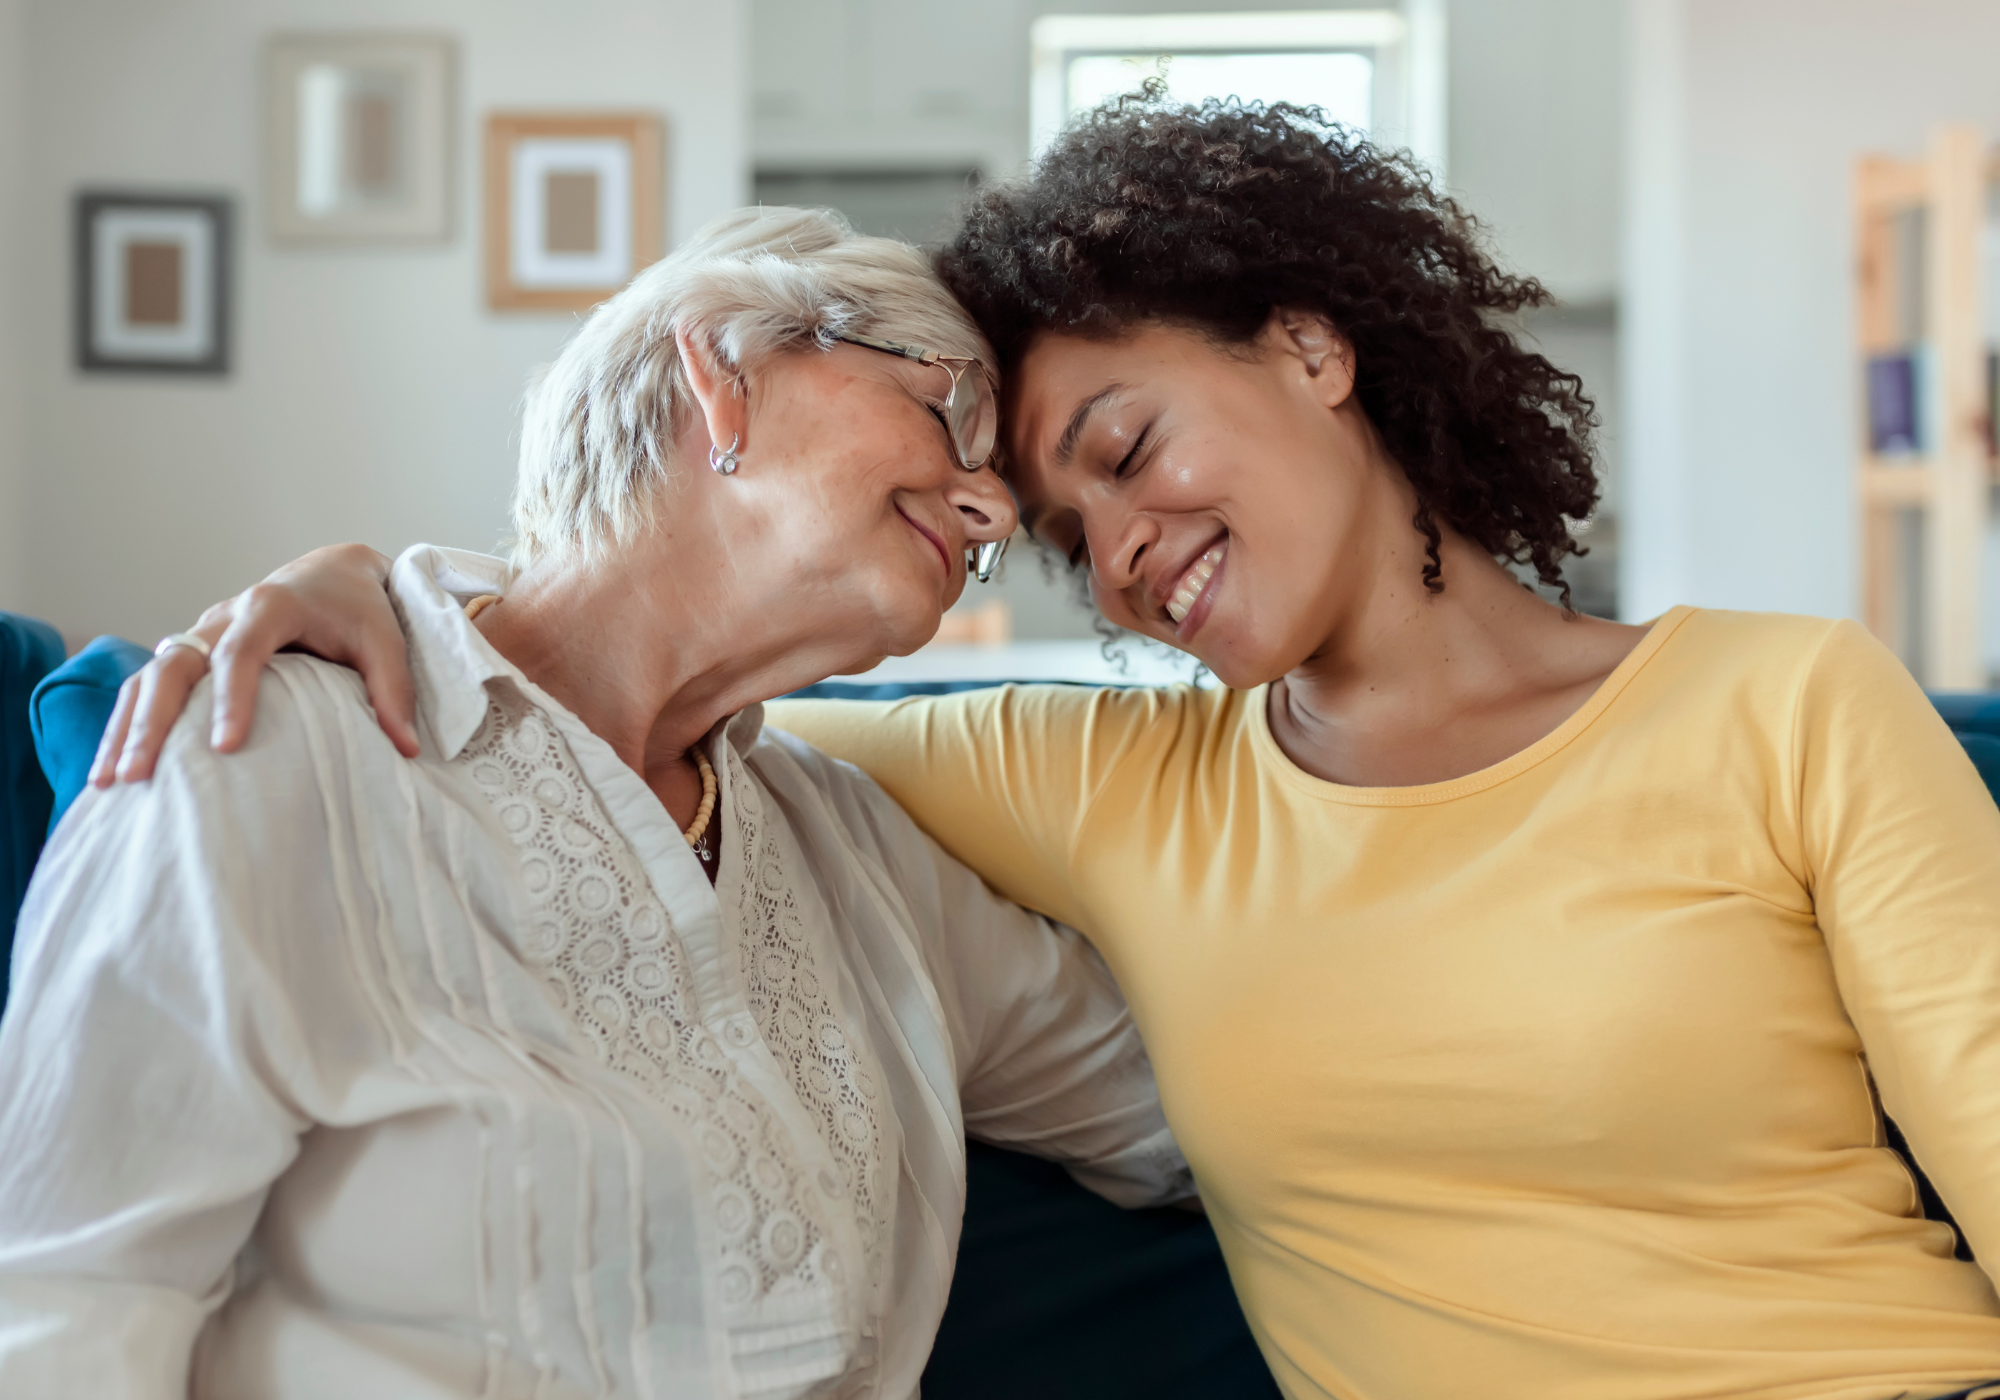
[(1535, 134), (1740, 426), (373, 397), (1532, 97), (13, 513)]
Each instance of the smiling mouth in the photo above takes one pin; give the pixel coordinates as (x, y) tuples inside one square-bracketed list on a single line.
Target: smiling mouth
[(935, 543), (1195, 582)]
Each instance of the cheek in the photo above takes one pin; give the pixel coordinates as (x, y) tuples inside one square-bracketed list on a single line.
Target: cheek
[(1117, 608)]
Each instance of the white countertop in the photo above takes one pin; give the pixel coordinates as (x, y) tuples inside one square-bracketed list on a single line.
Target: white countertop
[(1036, 661)]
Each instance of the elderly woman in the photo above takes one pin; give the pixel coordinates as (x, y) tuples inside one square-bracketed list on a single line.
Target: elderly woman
[(613, 1046)]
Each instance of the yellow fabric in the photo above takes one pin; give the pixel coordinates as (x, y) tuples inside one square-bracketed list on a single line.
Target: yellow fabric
[(1553, 1080)]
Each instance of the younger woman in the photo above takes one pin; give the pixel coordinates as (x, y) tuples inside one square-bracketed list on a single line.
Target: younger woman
[(1525, 989)]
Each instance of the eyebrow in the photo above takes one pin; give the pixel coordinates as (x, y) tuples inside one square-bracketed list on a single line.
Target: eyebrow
[(1079, 420)]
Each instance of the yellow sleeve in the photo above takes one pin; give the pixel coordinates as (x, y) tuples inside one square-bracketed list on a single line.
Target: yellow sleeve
[(1902, 845), (1003, 779)]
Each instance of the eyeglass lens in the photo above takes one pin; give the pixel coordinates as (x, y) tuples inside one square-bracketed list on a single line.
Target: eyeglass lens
[(970, 414)]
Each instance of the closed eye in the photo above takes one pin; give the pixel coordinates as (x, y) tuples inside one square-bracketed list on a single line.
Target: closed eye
[(1125, 462)]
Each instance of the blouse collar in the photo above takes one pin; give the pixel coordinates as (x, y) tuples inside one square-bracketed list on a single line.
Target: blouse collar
[(451, 661)]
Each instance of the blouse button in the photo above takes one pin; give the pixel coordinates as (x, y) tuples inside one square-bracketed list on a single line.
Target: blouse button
[(738, 1031)]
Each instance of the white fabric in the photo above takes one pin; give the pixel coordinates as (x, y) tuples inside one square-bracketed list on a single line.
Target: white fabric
[(331, 1073)]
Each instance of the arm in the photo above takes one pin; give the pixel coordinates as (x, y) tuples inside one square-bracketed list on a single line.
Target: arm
[(333, 603), (1902, 847), (1048, 1060), (141, 1115), (1003, 779)]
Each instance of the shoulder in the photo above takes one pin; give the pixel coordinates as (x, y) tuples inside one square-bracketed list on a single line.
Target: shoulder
[(215, 851), (1767, 651), (309, 713), (1053, 718), (1786, 672), (1771, 637), (312, 716)]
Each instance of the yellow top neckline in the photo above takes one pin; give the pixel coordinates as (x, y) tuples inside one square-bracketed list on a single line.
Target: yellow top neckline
[(1274, 759)]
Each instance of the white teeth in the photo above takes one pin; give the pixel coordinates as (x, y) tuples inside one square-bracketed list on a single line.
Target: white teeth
[(1189, 591)]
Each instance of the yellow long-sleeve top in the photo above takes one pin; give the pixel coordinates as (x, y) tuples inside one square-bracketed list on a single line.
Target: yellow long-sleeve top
[(1559, 1079)]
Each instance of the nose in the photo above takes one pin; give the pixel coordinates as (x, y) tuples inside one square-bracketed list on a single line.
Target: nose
[(985, 507), (1131, 534)]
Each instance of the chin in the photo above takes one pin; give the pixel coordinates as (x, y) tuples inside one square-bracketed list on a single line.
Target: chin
[(1242, 668), (863, 666)]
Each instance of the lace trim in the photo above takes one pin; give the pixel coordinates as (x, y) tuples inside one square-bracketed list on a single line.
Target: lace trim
[(600, 940), (789, 1001)]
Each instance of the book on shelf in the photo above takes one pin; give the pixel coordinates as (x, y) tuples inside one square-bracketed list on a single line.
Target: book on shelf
[(1993, 403), (1894, 413)]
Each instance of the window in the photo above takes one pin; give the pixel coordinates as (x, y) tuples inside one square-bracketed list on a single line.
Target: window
[(1342, 83), (1375, 71)]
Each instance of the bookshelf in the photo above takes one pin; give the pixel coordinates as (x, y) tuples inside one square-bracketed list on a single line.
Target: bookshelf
[(1927, 461)]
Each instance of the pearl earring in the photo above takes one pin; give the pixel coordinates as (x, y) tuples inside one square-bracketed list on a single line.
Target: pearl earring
[(724, 461)]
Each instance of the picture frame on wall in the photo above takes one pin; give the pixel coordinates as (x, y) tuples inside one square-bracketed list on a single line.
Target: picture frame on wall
[(575, 206), (152, 290), (358, 137)]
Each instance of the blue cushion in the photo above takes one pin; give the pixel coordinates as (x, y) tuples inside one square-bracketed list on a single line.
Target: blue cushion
[(29, 650), (1984, 751), (70, 709), (1969, 711)]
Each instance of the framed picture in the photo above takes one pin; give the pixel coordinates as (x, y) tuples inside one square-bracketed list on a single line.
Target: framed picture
[(152, 282), (358, 138), (574, 206)]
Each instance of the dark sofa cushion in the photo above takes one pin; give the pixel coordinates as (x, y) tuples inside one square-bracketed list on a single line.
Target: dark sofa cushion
[(29, 650), (1060, 1295)]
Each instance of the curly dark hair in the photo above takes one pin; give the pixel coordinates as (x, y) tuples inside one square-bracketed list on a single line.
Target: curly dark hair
[(1211, 216)]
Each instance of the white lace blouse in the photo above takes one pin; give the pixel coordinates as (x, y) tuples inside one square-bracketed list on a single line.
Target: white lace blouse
[(332, 1073)]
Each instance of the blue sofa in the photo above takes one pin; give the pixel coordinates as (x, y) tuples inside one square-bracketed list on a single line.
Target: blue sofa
[(1058, 1295)]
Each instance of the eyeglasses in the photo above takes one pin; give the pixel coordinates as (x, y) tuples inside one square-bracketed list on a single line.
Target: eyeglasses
[(970, 418)]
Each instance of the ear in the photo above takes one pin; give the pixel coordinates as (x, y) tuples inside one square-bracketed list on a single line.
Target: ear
[(718, 391), (1327, 355)]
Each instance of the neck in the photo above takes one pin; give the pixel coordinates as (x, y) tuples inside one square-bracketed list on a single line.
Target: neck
[(656, 645), (1411, 686), (1402, 649)]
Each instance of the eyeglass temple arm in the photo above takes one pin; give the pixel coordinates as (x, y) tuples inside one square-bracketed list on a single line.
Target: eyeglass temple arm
[(892, 347)]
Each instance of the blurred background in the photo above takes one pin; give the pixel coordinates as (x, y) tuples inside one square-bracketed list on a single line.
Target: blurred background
[(273, 273)]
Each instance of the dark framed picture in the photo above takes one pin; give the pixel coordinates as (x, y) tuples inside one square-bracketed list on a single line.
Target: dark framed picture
[(152, 282)]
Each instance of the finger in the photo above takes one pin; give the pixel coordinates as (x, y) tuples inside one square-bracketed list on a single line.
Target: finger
[(265, 620), (386, 670), (163, 691), (103, 768)]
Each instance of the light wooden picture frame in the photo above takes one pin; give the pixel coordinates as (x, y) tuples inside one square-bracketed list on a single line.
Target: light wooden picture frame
[(575, 206), (152, 293), (358, 137)]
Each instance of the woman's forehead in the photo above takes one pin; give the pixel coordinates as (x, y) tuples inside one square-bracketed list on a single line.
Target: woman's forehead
[(1060, 383)]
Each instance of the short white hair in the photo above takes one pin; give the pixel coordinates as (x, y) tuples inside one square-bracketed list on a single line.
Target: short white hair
[(599, 427)]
